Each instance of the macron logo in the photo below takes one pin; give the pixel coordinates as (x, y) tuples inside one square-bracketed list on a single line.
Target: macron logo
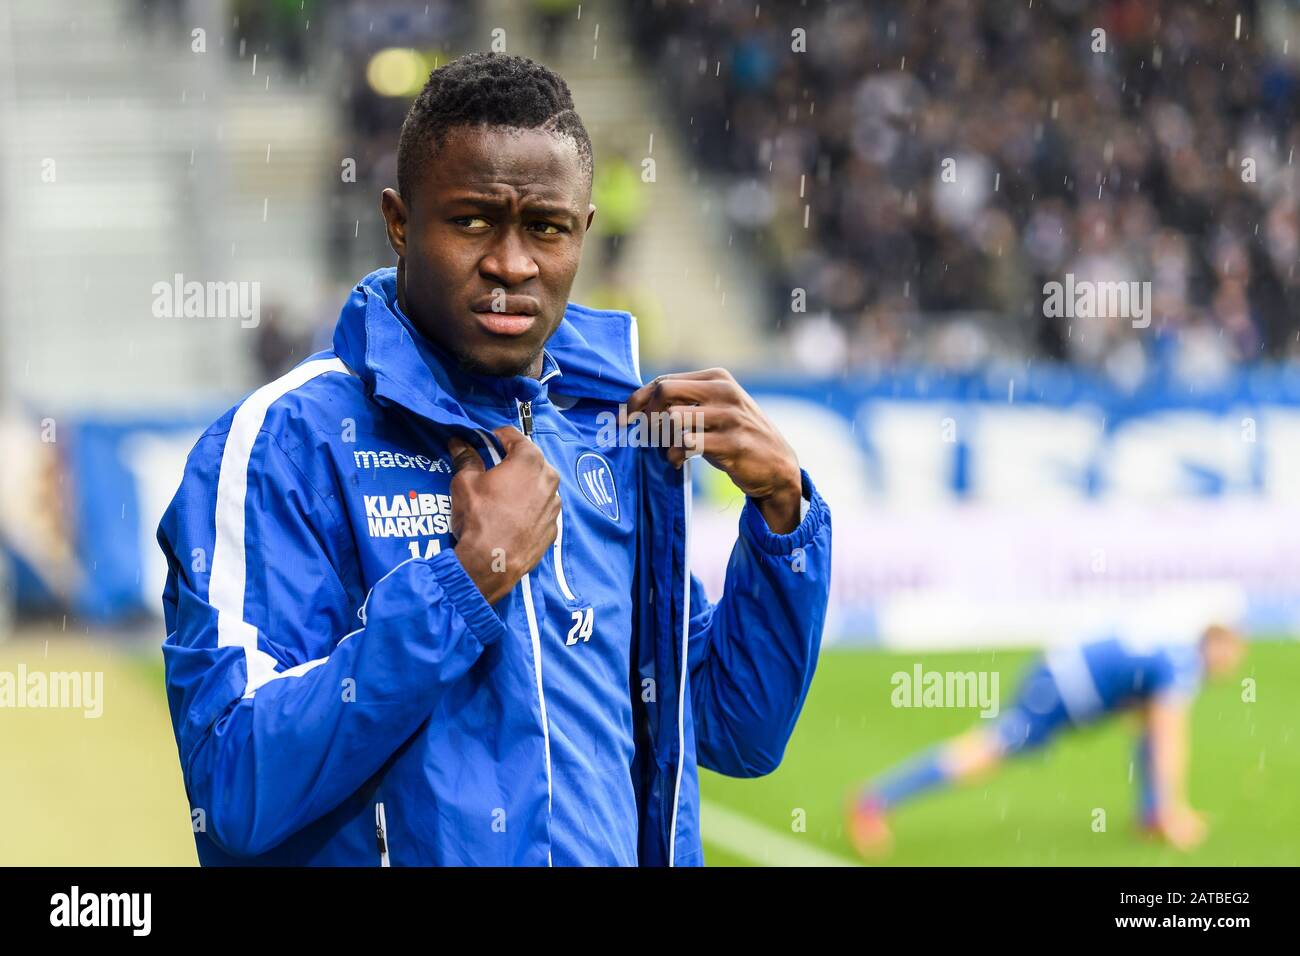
[(396, 459), (103, 909)]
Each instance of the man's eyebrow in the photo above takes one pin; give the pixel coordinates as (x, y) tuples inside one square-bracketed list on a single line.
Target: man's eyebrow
[(477, 199), (558, 210), (488, 201)]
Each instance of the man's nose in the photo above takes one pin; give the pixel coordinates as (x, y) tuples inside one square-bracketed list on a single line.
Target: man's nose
[(508, 261)]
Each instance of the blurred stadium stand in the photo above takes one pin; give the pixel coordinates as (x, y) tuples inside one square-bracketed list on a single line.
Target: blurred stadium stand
[(164, 161), (1117, 165)]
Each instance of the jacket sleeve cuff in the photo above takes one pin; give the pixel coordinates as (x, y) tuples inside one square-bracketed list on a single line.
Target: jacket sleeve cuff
[(466, 598), (754, 527)]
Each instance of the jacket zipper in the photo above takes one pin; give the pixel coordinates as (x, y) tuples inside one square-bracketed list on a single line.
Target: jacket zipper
[(381, 834), (534, 633), (526, 423)]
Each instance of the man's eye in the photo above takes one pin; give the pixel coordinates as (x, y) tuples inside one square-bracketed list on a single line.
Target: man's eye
[(471, 222), (543, 228)]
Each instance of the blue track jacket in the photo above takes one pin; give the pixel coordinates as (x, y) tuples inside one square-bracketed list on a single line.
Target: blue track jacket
[(341, 692)]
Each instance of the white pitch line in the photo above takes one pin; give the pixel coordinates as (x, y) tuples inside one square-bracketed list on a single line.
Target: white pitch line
[(741, 836)]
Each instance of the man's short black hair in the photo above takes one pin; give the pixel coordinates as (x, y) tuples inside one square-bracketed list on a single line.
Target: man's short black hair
[(493, 89)]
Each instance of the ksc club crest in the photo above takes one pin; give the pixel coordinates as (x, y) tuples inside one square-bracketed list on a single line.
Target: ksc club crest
[(596, 479)]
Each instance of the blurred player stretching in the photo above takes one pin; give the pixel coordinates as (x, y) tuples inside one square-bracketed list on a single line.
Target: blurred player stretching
[(1065, 689)]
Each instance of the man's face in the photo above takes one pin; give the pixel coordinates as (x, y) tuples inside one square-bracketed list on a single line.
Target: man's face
[(489, 243)]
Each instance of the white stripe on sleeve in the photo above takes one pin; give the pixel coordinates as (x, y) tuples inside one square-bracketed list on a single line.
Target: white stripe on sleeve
[(229, 573)]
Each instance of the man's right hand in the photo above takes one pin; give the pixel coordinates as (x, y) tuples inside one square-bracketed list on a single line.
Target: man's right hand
[(504, 518)]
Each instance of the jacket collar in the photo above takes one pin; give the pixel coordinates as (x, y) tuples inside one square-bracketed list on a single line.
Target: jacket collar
[(590, 355)]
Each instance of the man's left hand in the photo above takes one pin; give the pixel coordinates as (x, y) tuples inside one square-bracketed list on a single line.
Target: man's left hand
[(721, 421)]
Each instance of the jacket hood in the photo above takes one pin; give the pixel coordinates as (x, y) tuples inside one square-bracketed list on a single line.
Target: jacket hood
[(592, 354)]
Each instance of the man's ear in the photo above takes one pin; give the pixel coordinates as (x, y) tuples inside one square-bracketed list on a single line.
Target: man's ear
[(395, 219), (591, 214)]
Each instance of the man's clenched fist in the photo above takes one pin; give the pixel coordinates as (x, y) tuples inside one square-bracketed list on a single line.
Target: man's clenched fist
[(504, 518)]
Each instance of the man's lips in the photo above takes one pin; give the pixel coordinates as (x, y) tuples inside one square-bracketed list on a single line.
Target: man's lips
[(506, 323), (507, 315)]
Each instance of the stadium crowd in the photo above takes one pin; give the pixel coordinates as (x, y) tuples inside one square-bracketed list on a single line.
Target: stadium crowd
[(922, 170)]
